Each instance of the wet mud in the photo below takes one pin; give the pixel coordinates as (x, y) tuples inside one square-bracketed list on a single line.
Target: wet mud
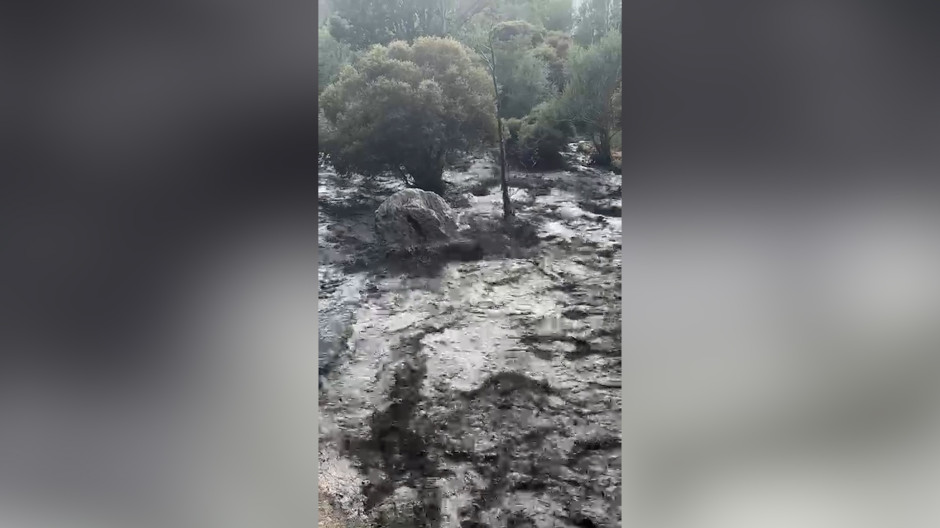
[(477, 390)]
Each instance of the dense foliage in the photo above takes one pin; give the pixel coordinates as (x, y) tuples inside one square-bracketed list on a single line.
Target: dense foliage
[(554, 52), (522, 74), (536, 142), (362, 23), (595, 19), (556, 15), (331, 56), (403, 108), (593, 93), (401, 95)]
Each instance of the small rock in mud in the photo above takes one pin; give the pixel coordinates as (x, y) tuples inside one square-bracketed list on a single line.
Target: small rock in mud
[(522, 196), (399, 509)]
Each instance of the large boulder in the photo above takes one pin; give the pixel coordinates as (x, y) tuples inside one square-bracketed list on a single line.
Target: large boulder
[(413, 219)]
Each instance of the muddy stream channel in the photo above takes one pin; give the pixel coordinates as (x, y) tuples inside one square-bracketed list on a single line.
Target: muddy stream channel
[(480, 393)]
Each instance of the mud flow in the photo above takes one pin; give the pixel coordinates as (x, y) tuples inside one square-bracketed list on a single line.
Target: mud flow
[(474, 392)]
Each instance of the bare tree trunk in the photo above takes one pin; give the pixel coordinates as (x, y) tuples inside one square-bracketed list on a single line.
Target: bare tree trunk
[(602, 154), (443, 18), (507, 205)]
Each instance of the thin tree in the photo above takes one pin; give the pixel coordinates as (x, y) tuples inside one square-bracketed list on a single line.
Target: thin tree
[(487, 52)]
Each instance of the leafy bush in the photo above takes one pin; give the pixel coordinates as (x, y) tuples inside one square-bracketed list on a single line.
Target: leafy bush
[(518, 31), (538, 140), (524, 82), (363, 23), (332, 55), (554, 52), (591, 99), (595, 19), (557, 15), (522, 75), (403, 108)]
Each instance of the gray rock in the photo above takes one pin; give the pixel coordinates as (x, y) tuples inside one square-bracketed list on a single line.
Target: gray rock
[(401, 510), (413, 219)]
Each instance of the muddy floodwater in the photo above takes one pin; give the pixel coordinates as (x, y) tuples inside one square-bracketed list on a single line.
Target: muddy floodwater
[(482, 393)]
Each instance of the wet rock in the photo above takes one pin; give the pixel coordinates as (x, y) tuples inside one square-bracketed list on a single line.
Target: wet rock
[(400, 510), (413, 218), (523, 197)]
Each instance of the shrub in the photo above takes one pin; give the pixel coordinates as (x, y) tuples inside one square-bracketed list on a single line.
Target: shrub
[(557, 15), (524, 83), (537, 141), (591, 99), (554, 51), (516, 29), (332, 55), (404, 108)]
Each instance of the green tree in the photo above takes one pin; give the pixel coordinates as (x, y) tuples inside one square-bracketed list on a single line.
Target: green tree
[(519, 77), (522, 74), (592, 96), (486, 46), (595, 19), (363, 23), (536, 141), (523, 82), (556, 15), (403, 108), (332, 55), (554, 52)]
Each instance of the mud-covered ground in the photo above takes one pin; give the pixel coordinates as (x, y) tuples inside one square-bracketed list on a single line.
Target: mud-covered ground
[(481, 393)]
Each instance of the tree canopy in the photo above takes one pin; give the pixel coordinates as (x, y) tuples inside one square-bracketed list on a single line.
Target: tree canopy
[(331, 56), (362, 23), (593, 93), (595, 18), (400, 94), (403, 108)]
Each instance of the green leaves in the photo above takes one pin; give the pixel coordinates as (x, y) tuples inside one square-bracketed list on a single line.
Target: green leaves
[(332, 55), (363, 23), (407, 106), (595, 19), (595, 75), (522, 75), (540, 137), (591, 99), (556, 15)]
